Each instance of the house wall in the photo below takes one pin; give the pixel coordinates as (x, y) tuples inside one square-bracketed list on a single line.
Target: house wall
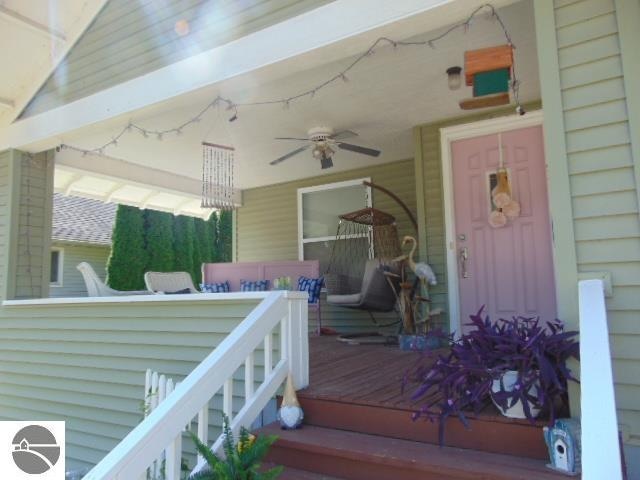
[(267, 225), (72, 282), (26, 189), (590, 133), (430, 196), (5, 195), (125, 41), (85, 364)]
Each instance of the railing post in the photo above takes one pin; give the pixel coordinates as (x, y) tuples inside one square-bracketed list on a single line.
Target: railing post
[(600, 445), (298, 341)]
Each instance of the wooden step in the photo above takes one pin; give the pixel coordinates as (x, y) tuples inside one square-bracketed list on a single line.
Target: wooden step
[(296, 474), (358, 456), (489, 432)]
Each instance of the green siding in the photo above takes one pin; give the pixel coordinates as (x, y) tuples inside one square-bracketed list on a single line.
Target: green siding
[(72, 282), (5, 219), (26, 189), (428, 170), (267, 225), (85, 364), (34, 226), (130, 39), (598, 151)]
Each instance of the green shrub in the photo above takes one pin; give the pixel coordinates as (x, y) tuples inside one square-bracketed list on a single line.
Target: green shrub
[(159, 241), (128, 258), (242, 460)]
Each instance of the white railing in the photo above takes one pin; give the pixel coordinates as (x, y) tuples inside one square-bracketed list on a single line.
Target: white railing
[(599, 424), (162, 429)]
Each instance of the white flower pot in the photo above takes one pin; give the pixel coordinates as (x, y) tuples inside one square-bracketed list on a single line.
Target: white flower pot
[(510, 377)]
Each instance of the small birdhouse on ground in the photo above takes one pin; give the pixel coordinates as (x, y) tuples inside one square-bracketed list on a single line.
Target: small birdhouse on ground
[(488, 71), (563, 443)]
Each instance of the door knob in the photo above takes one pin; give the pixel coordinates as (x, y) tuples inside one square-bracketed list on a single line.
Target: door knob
[(463, 256)]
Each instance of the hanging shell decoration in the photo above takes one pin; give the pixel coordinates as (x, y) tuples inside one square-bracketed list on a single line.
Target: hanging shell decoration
[(506, 207)]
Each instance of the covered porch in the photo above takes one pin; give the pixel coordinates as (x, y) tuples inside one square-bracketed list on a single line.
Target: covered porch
[(139, 142)]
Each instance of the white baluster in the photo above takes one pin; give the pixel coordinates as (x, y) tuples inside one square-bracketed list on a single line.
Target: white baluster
[(248, 377), (155, 380), (227, 398), (268, 354), (162, 388), (203, 426), (173, 453), (153, 400), (284, 339), (147, 390)]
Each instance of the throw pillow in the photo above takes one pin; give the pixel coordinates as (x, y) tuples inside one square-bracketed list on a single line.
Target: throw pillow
[(254, 286), (312, 286), (220, 287)]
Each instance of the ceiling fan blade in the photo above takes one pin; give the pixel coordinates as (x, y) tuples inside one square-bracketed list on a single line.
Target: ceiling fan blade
[(343, 134), (358, 149), (289, 155), (291, 138)]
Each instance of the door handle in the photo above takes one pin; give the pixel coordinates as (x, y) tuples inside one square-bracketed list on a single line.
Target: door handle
[(463, 256)]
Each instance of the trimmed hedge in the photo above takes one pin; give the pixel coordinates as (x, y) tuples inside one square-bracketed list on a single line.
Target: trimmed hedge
[(149, 240)]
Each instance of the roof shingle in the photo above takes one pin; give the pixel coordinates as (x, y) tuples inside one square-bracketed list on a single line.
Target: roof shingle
[(77, 219)]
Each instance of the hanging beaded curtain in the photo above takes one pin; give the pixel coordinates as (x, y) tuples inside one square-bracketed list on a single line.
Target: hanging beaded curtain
[(217, 176), (363, 234)]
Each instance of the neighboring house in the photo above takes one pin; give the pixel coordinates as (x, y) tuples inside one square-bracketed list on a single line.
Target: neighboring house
[(130, 98), (80, 232)]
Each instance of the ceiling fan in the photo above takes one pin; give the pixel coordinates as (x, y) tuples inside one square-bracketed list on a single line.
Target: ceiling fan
[(323, 142)]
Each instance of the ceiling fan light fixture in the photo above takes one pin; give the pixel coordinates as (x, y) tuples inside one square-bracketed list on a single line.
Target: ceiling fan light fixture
[(325, 162)]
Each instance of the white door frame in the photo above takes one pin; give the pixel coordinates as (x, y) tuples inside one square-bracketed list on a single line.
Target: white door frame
[(448, 135)]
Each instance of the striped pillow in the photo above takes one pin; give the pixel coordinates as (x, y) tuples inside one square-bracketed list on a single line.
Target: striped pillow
[(312, 286), (220, 287), (255, 286)]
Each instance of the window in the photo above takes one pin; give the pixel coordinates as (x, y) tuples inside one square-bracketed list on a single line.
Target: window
[(318, 210), (55, 277)]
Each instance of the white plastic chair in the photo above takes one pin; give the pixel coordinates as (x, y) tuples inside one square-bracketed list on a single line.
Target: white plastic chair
[(168, 282), (97, 288)]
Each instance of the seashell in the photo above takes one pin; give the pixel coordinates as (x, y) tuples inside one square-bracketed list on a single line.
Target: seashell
[(500, 199), (497, 219), (511, 209)]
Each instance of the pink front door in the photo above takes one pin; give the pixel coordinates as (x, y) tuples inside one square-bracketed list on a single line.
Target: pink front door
[(508, 269)]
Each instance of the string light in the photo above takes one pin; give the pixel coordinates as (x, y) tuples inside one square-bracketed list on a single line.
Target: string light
[(490, 13)]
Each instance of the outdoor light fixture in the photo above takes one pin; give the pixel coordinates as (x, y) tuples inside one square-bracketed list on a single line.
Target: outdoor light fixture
[(454, 77), (325, 162)]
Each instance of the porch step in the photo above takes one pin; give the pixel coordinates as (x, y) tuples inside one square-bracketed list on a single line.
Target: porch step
[(358, 456), (488, 432), (295, 474)]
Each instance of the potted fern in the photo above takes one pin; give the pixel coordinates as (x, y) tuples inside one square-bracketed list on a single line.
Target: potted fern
[(518, 364), (242, 459)]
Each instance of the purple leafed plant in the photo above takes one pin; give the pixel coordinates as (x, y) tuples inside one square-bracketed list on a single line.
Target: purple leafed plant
[(458, 382)]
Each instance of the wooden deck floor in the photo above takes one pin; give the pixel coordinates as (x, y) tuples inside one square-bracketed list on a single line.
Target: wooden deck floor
[(369, 375), (358, 374)]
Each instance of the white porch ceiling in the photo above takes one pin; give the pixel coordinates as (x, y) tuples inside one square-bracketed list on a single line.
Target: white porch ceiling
[(387, 95), (116, 181), (35, 35)]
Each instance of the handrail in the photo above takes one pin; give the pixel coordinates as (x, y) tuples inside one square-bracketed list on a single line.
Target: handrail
[(162, 429), (599, 424)]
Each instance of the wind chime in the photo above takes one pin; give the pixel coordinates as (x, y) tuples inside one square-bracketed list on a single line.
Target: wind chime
[(218, 176), (506, 208)]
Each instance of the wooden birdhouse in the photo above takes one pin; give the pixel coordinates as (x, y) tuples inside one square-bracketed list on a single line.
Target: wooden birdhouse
[(563, 443), (488, 71)]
